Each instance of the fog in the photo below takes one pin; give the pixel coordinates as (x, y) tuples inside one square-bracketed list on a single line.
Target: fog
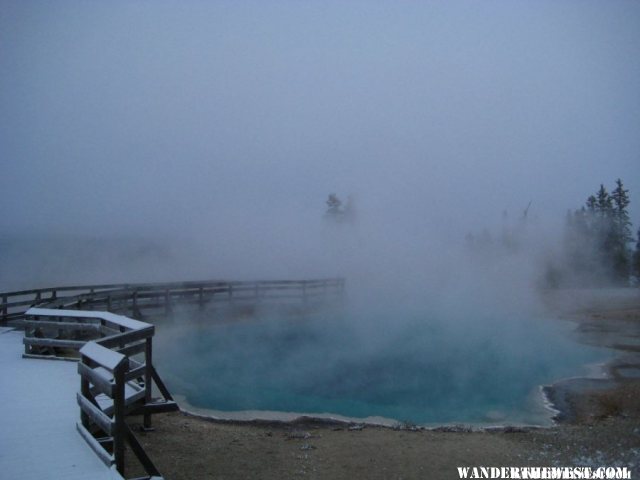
[(167, 141), (146, 141)]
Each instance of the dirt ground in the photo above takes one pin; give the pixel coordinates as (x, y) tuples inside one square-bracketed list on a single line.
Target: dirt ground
[(599, 426)]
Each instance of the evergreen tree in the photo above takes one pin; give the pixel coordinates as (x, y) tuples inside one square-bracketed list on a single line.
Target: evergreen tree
[(604, 204), (597, 238), (620, 232), (335, 212), (620, 198), (602, 231), (334, 204), (590, 218)]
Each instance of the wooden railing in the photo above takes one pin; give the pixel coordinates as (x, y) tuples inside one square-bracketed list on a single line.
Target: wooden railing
[(114, 380), (14, 304), (134, 299), (115, 352)]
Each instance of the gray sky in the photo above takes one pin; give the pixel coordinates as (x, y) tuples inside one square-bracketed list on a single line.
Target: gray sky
[(163, 117)]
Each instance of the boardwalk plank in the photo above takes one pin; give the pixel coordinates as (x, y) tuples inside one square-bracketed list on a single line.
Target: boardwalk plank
[(39, 438)]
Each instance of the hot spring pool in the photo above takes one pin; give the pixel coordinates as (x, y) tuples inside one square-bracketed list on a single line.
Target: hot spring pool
[(416, 368)]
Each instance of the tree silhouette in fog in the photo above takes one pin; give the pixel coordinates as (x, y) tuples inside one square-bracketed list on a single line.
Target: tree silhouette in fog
[(597, 238)]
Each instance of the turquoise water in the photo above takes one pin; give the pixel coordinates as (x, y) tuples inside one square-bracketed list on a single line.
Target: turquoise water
[(415, 368)]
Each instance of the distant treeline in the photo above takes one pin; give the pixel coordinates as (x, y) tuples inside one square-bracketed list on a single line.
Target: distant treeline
[(598, 238), (597, 249)]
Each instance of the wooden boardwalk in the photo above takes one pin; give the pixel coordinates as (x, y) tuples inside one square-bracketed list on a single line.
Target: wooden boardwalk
[(38, 415)]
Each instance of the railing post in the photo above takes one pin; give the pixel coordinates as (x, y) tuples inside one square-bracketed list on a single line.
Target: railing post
[(85, 390), (134, 308), (28, 332), (5, 300), (118, 417), (167, 302), (148, 366)]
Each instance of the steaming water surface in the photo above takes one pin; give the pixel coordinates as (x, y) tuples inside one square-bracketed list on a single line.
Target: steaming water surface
[(414, 367)]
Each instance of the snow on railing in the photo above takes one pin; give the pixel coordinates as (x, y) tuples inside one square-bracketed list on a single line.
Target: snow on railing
[(62, 323), (114, 381)]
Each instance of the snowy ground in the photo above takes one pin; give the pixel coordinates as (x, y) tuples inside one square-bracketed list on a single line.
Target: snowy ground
[(38, 414)]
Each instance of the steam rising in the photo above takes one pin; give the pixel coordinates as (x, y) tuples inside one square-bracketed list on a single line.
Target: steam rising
[(146, 141), (222, 123), (164, 142)]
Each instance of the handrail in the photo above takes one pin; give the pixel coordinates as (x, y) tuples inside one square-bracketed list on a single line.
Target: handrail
[(107, 343), (112, 383), (131, 298)]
